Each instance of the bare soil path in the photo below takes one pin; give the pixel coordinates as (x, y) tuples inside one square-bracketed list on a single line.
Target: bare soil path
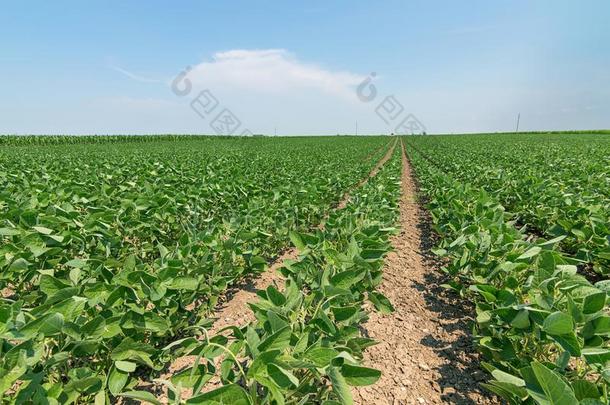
[(373, 153), (235, 311), (345, 200), (425, 351)]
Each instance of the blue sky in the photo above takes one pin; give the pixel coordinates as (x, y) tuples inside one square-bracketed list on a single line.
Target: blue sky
[(106, 66)]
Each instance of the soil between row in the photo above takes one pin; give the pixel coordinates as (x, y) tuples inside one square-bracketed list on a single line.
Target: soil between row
[(425, 351)]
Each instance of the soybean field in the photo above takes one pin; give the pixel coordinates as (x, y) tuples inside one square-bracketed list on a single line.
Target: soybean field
[(171, 269)]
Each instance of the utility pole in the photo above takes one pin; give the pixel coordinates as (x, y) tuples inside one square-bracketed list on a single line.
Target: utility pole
[(356, 128), (274, 131), (518, 119)]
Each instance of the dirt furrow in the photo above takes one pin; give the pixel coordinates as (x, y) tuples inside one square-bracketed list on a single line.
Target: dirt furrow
[(373, 153), (235, 311), (343, 203), (425, 351)]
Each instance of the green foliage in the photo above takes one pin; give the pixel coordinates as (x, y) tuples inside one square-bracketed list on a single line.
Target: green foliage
[(542, 326), (557, 186), (112, 248)]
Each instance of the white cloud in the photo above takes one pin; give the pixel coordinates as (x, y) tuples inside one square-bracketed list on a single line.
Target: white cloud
[(264, 88), (270, 71)]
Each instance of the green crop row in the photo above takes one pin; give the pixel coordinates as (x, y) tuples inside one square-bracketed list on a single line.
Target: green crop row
[(305, 345), (543, 329), (555, 185), (108, 252), (49, 140)]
